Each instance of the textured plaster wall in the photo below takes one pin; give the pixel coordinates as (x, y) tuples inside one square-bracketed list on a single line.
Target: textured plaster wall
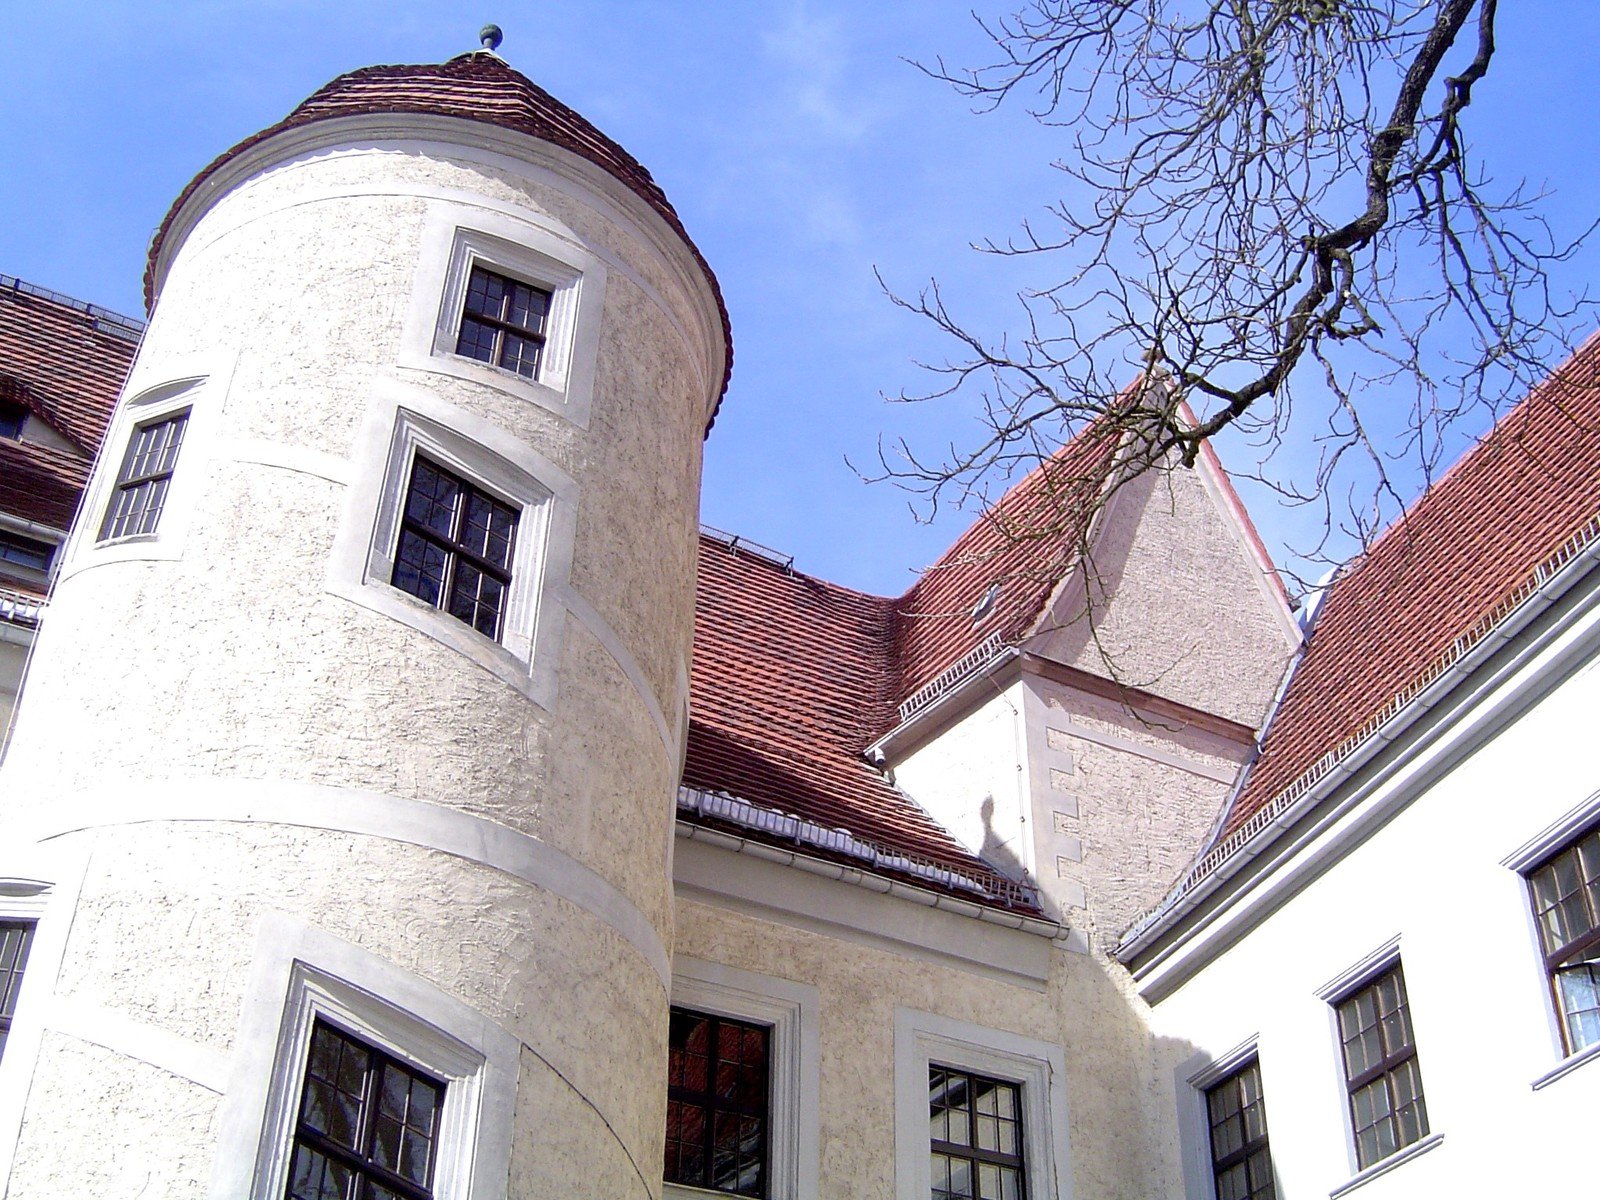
[(1175, 604), (1479, 1000), (137, 1130), (1087, 1008), (1123, 801), (232, 661), (973, 779)]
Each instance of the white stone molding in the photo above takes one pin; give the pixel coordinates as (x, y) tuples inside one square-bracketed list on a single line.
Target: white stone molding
[(301, 973), (922, 1039), (369, 814), (1360, 972), (533, 249), (793, 1117), (198, 384), (171, 1052), (404, 420), (1565, 829)]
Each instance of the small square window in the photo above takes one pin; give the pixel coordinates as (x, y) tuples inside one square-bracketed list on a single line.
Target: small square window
[(16, 938), (1241, 1162), (503, 322), (974, 1137), (368, 1124), (456, 543), (1566, 903), (1384, 1082), (145, 477), (718, 1103)]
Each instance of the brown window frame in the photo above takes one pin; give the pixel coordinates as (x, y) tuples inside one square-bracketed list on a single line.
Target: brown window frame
[(1251, 1147), (968, 1148), (455, 550), (1581, 949), (1396, 1056), (501, 324), (361, 1160), (715, 1102), (140, 495), (16, 940)]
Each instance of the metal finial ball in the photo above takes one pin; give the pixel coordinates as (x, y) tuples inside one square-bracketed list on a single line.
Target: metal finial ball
[(490, 36)]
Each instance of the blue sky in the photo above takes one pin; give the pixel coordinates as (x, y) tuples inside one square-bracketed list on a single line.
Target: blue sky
[(799, 147)]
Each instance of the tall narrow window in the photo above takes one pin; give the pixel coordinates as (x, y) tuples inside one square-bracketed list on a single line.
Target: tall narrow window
[(1387, 1110), (368, 1127), (1241, 1163), (15, 939), (146, 474), (455, 547), (1566, 901), (975, 1136), (503, 322), (717, 1103)]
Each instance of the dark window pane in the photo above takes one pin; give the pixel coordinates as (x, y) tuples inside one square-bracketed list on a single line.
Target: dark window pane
[(1387, 1111), (16, 939), (1240, 1157), (142, 483), (503, 322), (717, 1103), (367, 1124)]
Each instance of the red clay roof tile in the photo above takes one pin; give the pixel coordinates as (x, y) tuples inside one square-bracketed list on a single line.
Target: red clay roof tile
[(1437, 574)]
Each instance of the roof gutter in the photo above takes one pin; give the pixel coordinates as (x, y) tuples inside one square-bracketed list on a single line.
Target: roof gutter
[(1145, 935), (1037, 926), (951, 702)]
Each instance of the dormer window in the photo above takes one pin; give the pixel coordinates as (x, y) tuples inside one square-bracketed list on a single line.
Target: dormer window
[(503, 322), (27, 553), (12, 418)]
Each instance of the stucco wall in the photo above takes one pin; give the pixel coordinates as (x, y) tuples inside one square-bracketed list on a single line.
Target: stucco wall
[(973, 779), (1085, 1008), (1175, 602)]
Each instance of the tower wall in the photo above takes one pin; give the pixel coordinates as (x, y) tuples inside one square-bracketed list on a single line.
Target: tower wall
[(244, 750)]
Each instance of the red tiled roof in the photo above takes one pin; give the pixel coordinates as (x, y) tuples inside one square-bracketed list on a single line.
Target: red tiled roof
[(794, 677), (472, 87), (1027, 543), (1441, 572), (68, 360)]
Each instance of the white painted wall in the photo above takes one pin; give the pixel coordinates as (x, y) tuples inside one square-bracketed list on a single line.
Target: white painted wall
[(1480, 1004)]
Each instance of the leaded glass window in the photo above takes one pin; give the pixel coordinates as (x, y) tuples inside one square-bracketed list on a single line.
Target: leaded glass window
[(145, 477), (1566, 901), (1387, 1109), (368, 1126), (1241, 1163), (456, 542), (718, 1103), (16, 937), (503, 322), (975, 1136)]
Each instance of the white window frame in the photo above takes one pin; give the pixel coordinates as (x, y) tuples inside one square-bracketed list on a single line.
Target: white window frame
[(529, 249), (1195, 1077), (793, 1121), (300, 974), (198, 385), (924, 1039), (406, 422)]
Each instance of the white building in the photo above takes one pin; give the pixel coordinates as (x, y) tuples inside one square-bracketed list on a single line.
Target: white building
[(361, 833)]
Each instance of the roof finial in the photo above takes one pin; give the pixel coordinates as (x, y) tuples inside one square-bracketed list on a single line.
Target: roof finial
[(491, 37)]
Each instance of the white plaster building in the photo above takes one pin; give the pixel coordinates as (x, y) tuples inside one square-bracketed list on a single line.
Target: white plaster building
[(362, 834)]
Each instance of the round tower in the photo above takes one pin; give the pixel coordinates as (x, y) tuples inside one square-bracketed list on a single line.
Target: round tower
[(343, 781)]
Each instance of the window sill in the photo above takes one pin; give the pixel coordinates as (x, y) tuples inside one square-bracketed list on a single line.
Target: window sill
[(1567, 1065), (1384, 1166)]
